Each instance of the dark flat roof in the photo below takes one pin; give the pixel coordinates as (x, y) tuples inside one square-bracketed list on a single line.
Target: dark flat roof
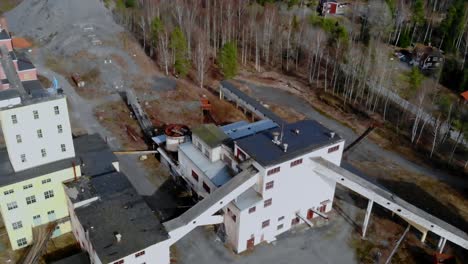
[(24, 63), (35, 89), (80, 258), (87, 148), (312, 135), (95, 154), (9, 94), (121, 210), (4, 35), (267, 112)]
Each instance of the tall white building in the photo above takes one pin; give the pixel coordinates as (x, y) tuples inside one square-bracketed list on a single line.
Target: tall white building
[(287, 191)]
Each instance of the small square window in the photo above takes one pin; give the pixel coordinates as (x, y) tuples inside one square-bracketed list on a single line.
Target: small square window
[(31, 199), (36, 114), (23, 158), (280, 227), (269, 185), (56, 110), (141, 253), (43, 153), (252, 210), (51, 212), (206, 187), (267, 202), (39, 133), (280, 218), (7, 192), (296, 162), (14, 119), (12, 205), (195, 175), (17, 225), (46, 181), (22, 242), (60, 129), (265, 223), (19, 139), (63, 147), (25, 187), (49, 194), (273, 171), (333, 149)]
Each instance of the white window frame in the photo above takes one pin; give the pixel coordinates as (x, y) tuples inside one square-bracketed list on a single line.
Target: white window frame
[(31, 199), (36, 114), (22, 242), (17, 225), (19, 139), (63, 147), (60, 129), (56, 110), (43, 153), (49, 194), (39, 133), (7, 192), (12, 205), (14, 119), (23, 158)]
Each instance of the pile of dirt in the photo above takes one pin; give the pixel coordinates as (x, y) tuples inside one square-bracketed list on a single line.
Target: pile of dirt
[(21, 43)]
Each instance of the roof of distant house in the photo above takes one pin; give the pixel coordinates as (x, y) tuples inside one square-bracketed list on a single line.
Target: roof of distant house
[(120, 210), (465, 95), (423, 51), (24, 63), (9, 94), (302, 137), (210, 134), (79, 258)]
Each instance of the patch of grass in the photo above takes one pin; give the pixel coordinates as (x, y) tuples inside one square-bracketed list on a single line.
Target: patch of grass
[(92, 76), (7, 5), (44, 81)]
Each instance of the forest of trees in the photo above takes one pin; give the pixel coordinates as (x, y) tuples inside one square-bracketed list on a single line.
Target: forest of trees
[(341, 55)]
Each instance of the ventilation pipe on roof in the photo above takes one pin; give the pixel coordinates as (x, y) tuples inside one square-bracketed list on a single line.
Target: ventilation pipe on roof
[(118, 236), (285, 147), (332, 134), (276, 138)]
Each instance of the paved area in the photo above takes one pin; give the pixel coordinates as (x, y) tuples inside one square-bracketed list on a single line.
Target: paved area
[(303, 245)]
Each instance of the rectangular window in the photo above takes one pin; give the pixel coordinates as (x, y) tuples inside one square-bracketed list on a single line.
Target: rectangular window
[(39, 133), (19, 139), (206, 187), (56, 110), (119, 262), (60, 129), (43, 153), (252, 210), (51, 215), (265, 223), (31, 199), (7, 192), (23, 158), (46, 181), (267, 202), (21, 242), (280, 227), (280, 218), (49, 194), (141, 253), (269, 185), (25, 187), (17, 225), (333, 149), (195, 175), (12, 205), (296, 162), (273, 171), (63, 147), (14, 119), (36, 114)]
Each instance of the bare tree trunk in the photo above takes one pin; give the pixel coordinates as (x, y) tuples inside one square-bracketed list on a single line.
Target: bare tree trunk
[(436, 132)]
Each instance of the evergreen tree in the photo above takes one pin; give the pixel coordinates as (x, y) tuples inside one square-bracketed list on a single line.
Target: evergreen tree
[(228, 60), (179, 47)]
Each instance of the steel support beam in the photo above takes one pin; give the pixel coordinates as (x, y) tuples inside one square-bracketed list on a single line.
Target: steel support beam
[(367, 217)]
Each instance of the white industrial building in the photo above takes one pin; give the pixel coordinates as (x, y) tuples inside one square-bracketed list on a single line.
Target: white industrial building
[(286, 190)]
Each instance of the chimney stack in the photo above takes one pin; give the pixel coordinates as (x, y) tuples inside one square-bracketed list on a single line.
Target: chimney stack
[(332, 134), (276, 138)]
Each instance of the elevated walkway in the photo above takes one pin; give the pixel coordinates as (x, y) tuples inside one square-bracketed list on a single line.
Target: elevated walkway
[(374, 193), (203, 212), (230, 91)]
